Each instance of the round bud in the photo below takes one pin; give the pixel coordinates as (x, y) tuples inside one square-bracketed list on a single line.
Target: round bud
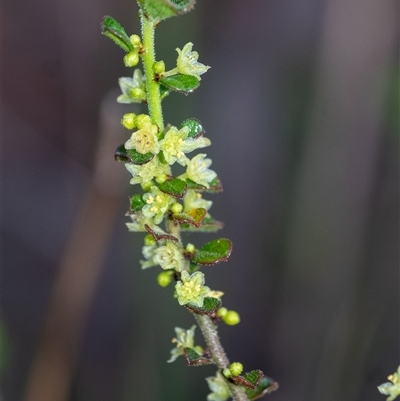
[(199, 349), (190, 248), (149, 240), (236, 368), (128, 120), (227, 373), (159, 67), (231, 318), (135, 40), (176, 207), (160, 179), (222, 312), (164, 278), (154, 129), (131, 59), (142, 120), (137, 93), (146, 186)]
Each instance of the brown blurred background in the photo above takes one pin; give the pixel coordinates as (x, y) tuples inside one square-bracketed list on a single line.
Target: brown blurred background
[(302, 107)]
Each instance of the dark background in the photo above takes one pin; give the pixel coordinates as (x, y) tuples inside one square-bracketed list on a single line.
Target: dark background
[(302, 107)]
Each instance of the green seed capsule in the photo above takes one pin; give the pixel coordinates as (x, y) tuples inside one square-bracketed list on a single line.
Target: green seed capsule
[(128, 120), (149, 240), (131, 59), (135, 40), (159, 67), (161, 178), (176, 208), (190, 248), (222, 312)]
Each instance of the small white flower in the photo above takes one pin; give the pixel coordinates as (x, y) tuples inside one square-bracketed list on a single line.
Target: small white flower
[(138, 222), (392, 388), (169, 257), (187, 62), (157, 203), (198, 171), (175, 144), (133, 89), (144, 140), (194, 200), (184, 339), (146, 172)]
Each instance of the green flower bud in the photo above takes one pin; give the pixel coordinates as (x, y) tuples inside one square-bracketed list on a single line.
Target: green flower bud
[(142, 120), (131, 59), (161, 178), (222, 312), (231, 318), (149, 240), (227, 373), (236, 368), (135, 40), (190, 248), (137, 93), (176, 207), (159, 67), (164, 279), (199, 349), (146, 186), (128, 120)]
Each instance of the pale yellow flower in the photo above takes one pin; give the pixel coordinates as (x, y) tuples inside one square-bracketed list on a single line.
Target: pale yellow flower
[(191, 289), (187, 62), (392, 388), (198, 171), (169, 257), (146, 172), (157, 203)]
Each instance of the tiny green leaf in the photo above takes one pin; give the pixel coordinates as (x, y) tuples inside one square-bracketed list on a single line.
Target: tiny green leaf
[(250, 379), (138, 158), (194, 359), (213, 252), (121, 154), (215, 186), (264, 387), (162, 9), (164, 91), (193, 217), (195, 128), (174, 187), (114, 30), (136, 204), (181, 83), (159, 235), (210, 305)]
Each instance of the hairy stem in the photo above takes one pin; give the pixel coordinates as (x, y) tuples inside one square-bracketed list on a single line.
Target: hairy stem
[(149, 58)]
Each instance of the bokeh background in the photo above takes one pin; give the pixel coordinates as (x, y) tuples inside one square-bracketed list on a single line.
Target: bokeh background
[(302, 107)]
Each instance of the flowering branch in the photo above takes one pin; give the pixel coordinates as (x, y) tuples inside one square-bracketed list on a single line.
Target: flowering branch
[(177, 201)]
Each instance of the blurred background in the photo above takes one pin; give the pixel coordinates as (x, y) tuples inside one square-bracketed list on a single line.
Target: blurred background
[(302, 107)]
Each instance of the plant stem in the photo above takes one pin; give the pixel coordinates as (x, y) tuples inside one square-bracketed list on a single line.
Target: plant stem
[(149, 58)]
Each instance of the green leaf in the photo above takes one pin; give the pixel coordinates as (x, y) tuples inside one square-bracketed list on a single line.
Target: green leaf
[(164, 91), (114, 30), (250, 379), (136, 204), (264, 387), (195, 128), (162, 9), (210, 305), (181, 83), (215, 186), (138, 158), (160, 235), (174, 187), (121, 154), (194, 359), (193, 217), (213, 252), (208, 225)]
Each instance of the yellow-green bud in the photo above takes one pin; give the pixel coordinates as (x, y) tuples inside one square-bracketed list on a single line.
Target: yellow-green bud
[(231, 318), (149, 240), (142, 120), (236, 368), (135, 40), (137, 93), (159, 67), (190, 248), (164, 278), (222, 312), (176, 207), (160, 179), (227, 373), (146, 186), (199, 349), (131, 59), (128, 120)]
